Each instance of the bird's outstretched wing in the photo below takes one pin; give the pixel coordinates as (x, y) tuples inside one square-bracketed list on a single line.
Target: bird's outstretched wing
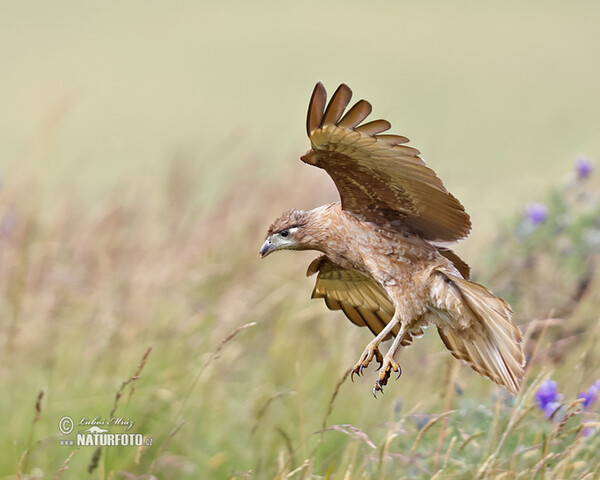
[(362, 300), (378, 177)]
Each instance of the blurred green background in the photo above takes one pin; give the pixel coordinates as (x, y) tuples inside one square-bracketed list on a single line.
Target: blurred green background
[(146, 146), (98, 94)]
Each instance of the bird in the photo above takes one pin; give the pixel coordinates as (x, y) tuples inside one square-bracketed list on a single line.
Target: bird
[(385, 258)]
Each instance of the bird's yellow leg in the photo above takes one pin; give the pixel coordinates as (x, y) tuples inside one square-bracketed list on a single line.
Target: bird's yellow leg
[(389, 363), (372, 349)]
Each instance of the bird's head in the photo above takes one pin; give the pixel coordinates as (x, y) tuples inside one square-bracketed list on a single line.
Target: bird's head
[(286, 233)]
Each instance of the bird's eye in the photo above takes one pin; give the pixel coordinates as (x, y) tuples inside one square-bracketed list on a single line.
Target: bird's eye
[(284, 233)]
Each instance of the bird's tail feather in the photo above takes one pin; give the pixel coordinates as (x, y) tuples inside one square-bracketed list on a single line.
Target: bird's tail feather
[(476, 326)]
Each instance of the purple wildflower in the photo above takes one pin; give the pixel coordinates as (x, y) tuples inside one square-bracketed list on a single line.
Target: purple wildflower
[(583, 167), (589, 398), (548, 398), (546, 394), (591, 395), (537, 213), (588, 431)]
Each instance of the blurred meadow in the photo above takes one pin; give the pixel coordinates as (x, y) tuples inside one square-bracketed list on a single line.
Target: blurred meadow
[(145, 147)]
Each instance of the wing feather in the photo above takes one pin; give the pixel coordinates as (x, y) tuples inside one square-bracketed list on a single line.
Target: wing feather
[(372, 321), (361, 110), (380, 179), (374, 127), (391, 139), (458, 262), (316, 108), (362, 300), (353, 314), (337, 105), (477, 328)]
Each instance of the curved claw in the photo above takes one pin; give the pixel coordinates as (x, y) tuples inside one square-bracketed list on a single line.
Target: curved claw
[(378, 387), (399, 373), (379, 359)]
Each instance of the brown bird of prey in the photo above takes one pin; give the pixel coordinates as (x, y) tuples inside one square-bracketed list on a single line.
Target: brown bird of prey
[(385, 262)]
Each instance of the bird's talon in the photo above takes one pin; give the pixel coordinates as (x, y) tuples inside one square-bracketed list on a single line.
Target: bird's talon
[(386, 365), (378, 386), (378, 357), (366, 357)]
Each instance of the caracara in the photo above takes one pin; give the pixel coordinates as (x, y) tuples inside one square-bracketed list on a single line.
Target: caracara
[(383, 262)]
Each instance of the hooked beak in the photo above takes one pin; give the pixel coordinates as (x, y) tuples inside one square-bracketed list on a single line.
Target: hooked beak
[(267, 248)]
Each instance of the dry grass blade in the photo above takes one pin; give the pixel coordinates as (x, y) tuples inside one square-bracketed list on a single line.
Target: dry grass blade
[(136, 375), (20, 464), (65, 465), (437, 474), (428, 425), (334, 396), (590, 424), (385, 451), (139, 369), (529, 327), (226, 340), (469, 439), (288, 444), (38, 411), (452, 368), (538, 342), (351, 431), (305, 464), (263, 410), (568, 415), (131, 379), (449, 451), (214, 355)]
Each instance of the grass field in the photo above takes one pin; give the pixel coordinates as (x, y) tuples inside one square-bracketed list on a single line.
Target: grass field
[(144, 151)]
